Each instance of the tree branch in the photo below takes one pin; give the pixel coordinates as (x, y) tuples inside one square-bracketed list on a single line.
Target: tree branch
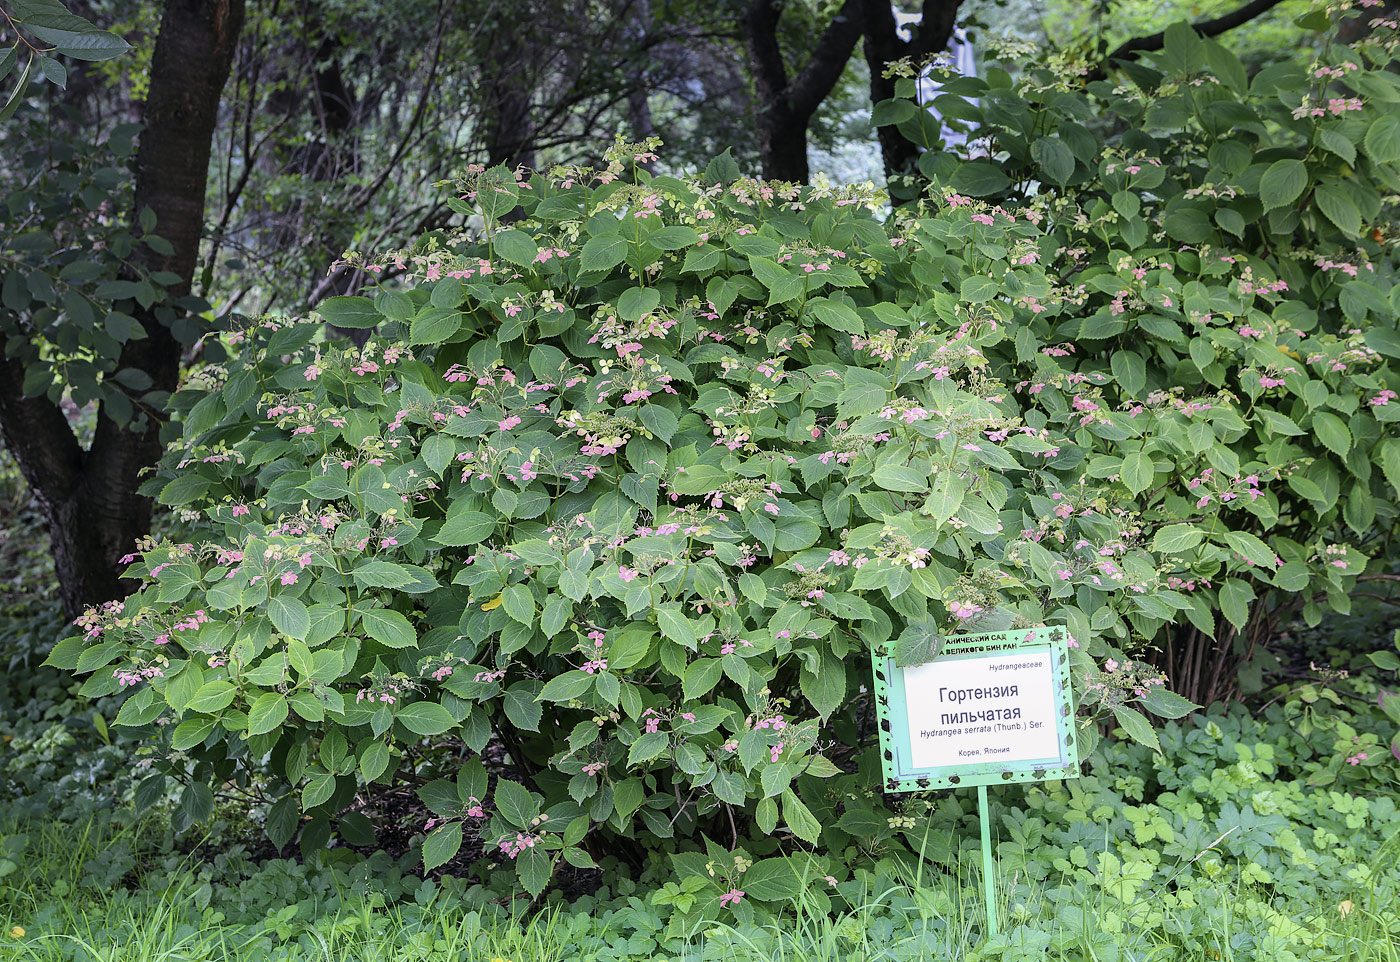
[(1206, 28), (828, 60), (760, 22)]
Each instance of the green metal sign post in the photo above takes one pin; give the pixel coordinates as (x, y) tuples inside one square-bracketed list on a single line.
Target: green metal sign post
[(977, 710)]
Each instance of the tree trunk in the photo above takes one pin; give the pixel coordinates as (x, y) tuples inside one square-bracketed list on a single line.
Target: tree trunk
[(89, 498), (785, 107), (883, 46), (782, 144)]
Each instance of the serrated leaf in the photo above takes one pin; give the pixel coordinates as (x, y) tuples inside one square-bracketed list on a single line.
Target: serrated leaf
[(1332, 432), (441, 845), (800, 819), (1138, 728), (389, 628), (566, 687), (919, 643), (425, 718), (1283, 183), (289, 616), (1176, 538), (1167, 704), (515, 803), (268, 712), (350, 312)]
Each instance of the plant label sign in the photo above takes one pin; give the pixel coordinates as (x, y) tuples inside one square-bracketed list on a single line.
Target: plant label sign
[(983, 710)]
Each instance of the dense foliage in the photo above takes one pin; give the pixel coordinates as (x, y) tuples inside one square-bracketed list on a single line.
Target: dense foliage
[(633, 474), (1226, 254)]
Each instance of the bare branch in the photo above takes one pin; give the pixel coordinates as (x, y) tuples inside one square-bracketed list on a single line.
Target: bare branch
[(1206, 28)]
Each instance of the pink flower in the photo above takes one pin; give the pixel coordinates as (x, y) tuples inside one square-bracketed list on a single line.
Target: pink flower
[(963, 610), (730, 898), (289, 578), (240, 510), (626, 573)]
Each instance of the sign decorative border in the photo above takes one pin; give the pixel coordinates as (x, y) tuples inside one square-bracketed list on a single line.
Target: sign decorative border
[(892, 710)]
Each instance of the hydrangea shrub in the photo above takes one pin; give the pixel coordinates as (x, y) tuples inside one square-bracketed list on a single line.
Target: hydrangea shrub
[(1227, 255)]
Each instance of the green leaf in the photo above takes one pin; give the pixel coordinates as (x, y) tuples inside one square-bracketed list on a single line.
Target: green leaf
[(17, 93), (771, 880), (90, 45), (1340, 209), (289, 616), (673, 238), (1054, 158), (897, 110), (374, 760), (389, 628), (191, 732), (534, 868), (899, 477), (319, 787), (659, 421), (977, 289), (701, 677), (603, 253), (184, 490), (1167, 704), (425, 718), (522, 707), (1138, 728), (1253, 550), (441, 845), (1176, 538), (515, 246), (515, 803), (637, 302), (980, 179), (1390, 465), (918, 644), (519, 603), (352, 313), (65, 653), (378, 573), (675, 625), (1382, 140), (1283, 183), (1137, 471), (434, 325), (465, 528), (212, 697), (568, 686), (799, 818), (268, 712), (282, 820), (1332, 431), (1235, 596)]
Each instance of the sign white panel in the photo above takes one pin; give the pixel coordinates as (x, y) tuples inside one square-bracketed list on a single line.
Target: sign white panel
[(982, 710)]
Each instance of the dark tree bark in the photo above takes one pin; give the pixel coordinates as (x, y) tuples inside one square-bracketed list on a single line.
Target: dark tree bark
[(785, 106), (1129, 49), (90, 497), (507, 92), (883, 46)]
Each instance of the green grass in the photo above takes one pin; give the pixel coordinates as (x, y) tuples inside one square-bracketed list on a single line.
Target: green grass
[(165, 913)]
